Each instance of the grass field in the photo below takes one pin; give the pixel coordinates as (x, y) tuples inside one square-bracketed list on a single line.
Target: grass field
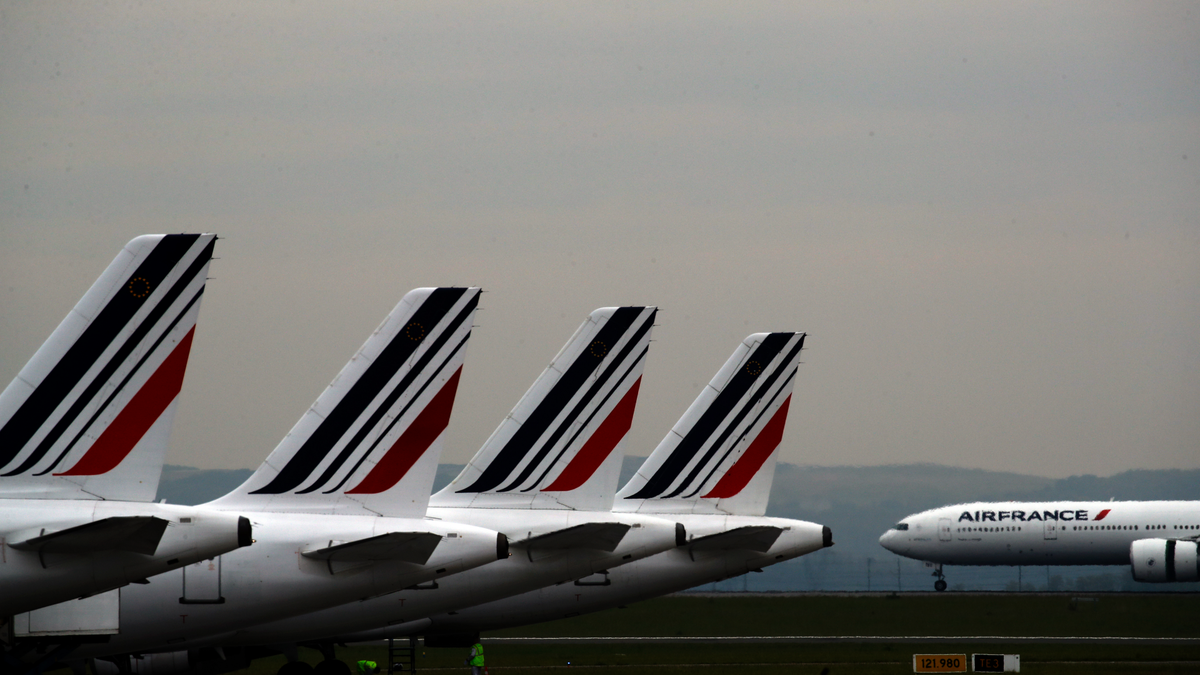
[(948, 615)]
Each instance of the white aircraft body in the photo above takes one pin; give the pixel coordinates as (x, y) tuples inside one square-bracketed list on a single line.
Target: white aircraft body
[(338, 507), (83, 435), (546, 478), (1156, 538), (712, 473)]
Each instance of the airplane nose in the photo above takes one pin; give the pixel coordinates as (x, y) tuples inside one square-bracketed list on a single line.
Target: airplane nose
[(885, 540)]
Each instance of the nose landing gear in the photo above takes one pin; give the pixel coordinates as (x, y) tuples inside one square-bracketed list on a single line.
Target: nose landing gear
[(940, 584)]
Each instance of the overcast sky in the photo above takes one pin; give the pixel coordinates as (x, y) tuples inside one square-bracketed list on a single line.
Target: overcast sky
[(986, 215)]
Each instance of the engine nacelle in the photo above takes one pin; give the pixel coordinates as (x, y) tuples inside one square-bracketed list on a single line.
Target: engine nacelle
[(1160, 561)]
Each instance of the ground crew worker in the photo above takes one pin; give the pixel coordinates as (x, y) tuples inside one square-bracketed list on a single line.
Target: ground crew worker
[(476, 659), (367, 668)]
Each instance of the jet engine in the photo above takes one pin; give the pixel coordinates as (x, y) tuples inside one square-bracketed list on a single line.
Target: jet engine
[(1160, 561)]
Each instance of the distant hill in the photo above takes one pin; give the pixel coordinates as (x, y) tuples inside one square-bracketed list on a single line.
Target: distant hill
[(190, 486)]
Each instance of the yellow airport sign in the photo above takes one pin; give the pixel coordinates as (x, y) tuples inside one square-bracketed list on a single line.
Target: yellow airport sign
[(939, 663)]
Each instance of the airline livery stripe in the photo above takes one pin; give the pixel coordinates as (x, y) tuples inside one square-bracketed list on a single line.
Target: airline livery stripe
[(595, 411), (366, 389), (121, 387), (585, 402), (45, 399), (553, 403), (739, 475), (600, 445), (144, 409), (713, 466), (784, 366), (404, 386), (716, 413), (413, 443), (96, 338)]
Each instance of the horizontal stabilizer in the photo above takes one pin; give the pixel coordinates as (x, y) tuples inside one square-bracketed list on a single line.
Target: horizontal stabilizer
[(137, 534), (757, 538), (411, 547), (601, 536)]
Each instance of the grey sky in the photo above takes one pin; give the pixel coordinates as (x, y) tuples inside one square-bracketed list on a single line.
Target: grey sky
[(986, 215)]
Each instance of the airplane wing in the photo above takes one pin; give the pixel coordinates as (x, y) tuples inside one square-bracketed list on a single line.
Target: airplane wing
[(602, 536), (758, 538), (411, 547), (137, 534)]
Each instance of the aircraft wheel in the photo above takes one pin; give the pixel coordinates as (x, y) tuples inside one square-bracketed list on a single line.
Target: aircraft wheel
[(939, 585), (295, 668), (331, 667)]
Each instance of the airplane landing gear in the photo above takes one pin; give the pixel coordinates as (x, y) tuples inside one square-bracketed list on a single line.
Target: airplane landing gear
[(940, 584)]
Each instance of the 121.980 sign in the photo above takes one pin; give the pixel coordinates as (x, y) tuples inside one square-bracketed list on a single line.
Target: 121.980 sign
[(939, 663)]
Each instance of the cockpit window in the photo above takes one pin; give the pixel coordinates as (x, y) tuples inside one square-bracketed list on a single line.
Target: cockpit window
[(901, 526)]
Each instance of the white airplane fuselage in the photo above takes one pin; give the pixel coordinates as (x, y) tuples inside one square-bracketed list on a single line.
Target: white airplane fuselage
[(30, 579), (671, 571), (272, 579), (527, 568), (1039, 533)]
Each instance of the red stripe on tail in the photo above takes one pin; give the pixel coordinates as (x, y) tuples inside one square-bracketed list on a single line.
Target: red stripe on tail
[(600, 445), (751, 461), (413, 443), (142, 411)]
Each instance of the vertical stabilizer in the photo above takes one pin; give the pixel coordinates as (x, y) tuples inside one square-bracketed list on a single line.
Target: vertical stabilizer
[(555, 450), (371, 442), (720, 457), (90, 414)]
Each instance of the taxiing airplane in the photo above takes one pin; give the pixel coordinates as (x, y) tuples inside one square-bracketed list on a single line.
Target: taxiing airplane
[(83, 436), (1157, 539), (712, 473), (339, 506)]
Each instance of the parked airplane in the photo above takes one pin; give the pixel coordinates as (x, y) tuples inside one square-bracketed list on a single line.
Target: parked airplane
[(1157, 539), (83, 435), (712, 473), (546, 478), (339, 506)]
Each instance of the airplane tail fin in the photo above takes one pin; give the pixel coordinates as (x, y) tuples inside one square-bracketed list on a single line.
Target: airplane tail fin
[(90, 414), (720, 456), (370, 444), (555, 449)]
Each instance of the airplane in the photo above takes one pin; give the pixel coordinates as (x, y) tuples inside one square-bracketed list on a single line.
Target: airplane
[(712, 473), (1157, 539), (339, 506), (546, 478), (83, 435)]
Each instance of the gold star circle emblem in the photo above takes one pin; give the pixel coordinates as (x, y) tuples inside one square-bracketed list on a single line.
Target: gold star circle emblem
[(598, 349), (754, 368), (139, 287), (415, 331)]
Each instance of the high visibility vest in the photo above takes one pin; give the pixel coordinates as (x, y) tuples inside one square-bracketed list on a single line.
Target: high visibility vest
[(477, 660), (366, 667)]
